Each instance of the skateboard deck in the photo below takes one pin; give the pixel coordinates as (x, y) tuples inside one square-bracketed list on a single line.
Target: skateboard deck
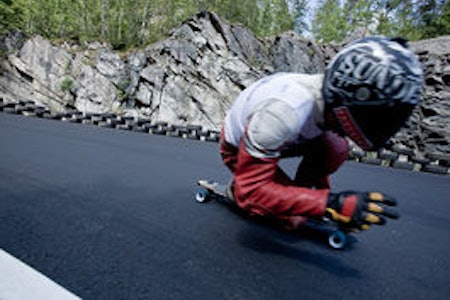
[(337, 237)]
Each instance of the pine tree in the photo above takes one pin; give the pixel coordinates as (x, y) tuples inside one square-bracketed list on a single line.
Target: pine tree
[(11, 15), (329, 22)]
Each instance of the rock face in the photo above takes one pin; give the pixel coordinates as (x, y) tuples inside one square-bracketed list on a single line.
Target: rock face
[(429, 129), (193, 76)]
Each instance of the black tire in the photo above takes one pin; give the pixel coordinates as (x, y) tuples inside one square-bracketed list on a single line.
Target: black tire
[(420, 160), (371, 161), (400, 149), (387, 155), (356, 154), (159, 132), (105, 125), (436, 169), (404, 165)]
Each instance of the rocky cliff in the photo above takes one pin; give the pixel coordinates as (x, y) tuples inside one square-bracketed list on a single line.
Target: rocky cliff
[(193, 76)]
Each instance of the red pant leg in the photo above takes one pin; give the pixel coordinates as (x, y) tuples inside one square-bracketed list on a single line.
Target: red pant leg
[(321, 157)]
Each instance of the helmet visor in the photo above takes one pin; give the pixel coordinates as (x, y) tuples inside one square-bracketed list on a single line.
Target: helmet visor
[(379, 123)]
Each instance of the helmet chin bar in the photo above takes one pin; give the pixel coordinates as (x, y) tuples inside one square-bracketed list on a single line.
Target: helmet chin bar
[(350, 127)]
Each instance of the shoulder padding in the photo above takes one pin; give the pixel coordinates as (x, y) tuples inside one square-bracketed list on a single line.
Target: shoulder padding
[(273, 123)]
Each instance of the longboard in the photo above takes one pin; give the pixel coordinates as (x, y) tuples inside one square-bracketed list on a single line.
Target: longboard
[(338, 237)]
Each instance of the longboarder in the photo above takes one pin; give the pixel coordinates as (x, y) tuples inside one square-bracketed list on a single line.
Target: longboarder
[(367, 93)]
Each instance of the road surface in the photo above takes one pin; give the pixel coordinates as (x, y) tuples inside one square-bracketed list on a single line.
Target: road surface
[(110, 214)]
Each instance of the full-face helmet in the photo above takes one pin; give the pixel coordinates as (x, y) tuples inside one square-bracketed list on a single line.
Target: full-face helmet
[(370, 89)]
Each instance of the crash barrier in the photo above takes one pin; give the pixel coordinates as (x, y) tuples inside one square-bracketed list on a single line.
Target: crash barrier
[(397, 156), (110, 120)]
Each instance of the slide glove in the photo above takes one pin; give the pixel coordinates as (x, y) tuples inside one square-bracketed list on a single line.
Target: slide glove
[(359, 210)]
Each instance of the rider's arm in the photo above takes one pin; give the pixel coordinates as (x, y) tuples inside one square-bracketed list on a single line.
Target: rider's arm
[(260, 186)]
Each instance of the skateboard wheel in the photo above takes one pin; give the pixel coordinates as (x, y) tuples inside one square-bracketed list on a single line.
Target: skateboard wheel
[(337, 239), (202, 195)]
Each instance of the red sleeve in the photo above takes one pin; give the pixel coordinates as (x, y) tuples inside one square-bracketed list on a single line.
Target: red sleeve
[(262, 188)]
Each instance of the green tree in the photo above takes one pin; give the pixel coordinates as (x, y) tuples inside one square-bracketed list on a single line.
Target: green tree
[(11, 15), (274, 17), (434, 18), (445, 18), (283, 19), (300, 11), (360, 14), (265, 19), (329, 22), (405, 19), (411, 19)]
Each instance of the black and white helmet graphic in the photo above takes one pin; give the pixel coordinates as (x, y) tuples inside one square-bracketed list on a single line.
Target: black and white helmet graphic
[(371, 87)]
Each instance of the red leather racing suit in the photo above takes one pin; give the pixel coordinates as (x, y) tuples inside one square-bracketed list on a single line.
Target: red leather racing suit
[(281, 116)]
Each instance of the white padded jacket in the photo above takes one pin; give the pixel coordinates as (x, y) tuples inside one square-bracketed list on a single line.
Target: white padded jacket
[(276, 112)]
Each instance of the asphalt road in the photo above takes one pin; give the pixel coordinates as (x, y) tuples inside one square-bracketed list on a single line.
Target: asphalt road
[(110, 214)]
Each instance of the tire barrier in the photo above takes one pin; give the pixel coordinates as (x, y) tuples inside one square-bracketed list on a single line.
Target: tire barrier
[(400, 157), (397, 156), (109, 120)]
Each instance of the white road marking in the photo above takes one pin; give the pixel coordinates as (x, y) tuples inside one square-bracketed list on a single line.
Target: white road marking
[(19, 281)]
